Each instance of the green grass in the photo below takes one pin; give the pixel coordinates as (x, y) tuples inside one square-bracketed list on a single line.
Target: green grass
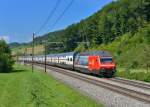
[(22, 88), (136, 74)]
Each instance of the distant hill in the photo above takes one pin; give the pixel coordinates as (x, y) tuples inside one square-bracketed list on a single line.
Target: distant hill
[(38, 40), (14, 44), (48, 36)]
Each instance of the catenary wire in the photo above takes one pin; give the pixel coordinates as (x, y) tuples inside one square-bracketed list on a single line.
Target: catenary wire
[(61, 15), (49, 16)]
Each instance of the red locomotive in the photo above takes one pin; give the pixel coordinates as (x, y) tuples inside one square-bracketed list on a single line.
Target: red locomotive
[(99, 62)]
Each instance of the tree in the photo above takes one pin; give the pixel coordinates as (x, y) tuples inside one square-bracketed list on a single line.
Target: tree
[(105, 30), (6, 60), (116, 28), (146, 52), (146, 9)]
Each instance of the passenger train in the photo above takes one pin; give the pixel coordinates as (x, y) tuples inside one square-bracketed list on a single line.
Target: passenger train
[(97, 62)]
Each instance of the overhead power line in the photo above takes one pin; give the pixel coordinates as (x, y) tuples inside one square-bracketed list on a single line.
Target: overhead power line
[(49, 16), (62, 14)]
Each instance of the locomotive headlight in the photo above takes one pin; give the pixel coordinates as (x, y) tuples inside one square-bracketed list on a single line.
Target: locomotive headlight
[(102, 69)]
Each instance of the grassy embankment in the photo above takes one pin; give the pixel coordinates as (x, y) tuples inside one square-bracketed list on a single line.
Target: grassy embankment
[(22, 88), (136, 74)]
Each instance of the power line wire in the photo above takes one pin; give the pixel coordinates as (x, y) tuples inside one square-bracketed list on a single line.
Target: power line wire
[(49, 16), (61, 15)]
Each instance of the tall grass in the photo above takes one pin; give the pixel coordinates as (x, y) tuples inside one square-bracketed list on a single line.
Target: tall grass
[(141, 75)]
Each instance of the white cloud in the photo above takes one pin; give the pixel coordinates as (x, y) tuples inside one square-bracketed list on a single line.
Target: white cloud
[(6, 38)]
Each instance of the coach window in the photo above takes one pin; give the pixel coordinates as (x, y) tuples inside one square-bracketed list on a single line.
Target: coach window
[(70, 59)]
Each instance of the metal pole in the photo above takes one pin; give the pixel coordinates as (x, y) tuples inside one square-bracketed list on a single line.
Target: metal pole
[(33, 53), (17, 57), (45, 56), (24, 58)]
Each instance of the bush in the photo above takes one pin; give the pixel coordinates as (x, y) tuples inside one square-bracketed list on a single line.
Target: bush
[(6, 61), (142, 76)]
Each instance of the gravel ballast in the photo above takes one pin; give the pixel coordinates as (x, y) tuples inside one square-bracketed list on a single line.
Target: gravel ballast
[(100, 94)]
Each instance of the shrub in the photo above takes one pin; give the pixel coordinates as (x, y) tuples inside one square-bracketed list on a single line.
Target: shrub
[(6, 61), (142, 76)]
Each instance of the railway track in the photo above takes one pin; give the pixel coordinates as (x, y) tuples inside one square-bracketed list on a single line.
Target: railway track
[(132, 82), (103, 83)]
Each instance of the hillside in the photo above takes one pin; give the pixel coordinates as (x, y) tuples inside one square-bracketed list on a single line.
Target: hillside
[(122, 27)]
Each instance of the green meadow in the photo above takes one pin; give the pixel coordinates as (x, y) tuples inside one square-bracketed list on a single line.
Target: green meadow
[(22, 88)]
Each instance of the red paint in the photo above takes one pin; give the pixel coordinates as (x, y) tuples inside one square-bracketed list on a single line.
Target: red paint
[(93, 63)]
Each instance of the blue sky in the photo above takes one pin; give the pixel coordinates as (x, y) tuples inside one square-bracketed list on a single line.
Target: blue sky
[(20, 18)]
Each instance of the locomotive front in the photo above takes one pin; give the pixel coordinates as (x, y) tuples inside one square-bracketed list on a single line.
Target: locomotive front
[(107, 66), (102, 63)]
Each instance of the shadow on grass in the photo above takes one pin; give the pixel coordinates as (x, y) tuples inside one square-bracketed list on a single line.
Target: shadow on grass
[(17, 71), (14, 71)]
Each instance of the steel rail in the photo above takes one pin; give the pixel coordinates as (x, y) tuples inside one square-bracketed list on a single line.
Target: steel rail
[(132, 83)]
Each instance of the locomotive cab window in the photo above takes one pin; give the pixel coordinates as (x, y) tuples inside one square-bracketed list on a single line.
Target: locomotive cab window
[(106, 60)]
